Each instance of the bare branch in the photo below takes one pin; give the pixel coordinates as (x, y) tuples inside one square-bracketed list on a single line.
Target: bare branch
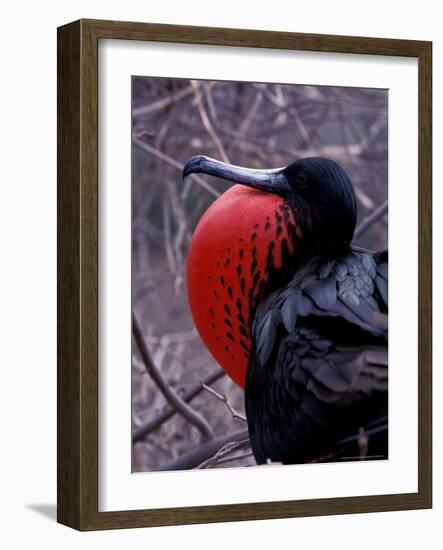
[(168, 235), (173, 398), (235, 458), (137, 139), (370, 220), (207, 123), (198, 454), (363, 198), (162, 103), (326, 457), (231, 447), (225, 400), (142, 431), (379, 425), (251, 113)]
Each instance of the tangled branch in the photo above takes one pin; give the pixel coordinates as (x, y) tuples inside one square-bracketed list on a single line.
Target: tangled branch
[(142, 431), (173, 398)]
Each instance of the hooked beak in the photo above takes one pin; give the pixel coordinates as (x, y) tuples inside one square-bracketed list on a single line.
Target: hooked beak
[(270, 181)]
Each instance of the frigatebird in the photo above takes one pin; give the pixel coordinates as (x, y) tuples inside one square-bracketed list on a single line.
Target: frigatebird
[(290, 309)]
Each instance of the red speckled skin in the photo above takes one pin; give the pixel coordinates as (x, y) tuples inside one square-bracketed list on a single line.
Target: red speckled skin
[(236, 241)]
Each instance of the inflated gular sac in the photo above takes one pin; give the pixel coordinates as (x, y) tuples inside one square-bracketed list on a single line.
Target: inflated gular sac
[(228, 267)]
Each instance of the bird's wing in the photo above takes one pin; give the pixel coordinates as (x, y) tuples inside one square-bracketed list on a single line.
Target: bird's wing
[(324, 337), (352, 291), (335, 375)]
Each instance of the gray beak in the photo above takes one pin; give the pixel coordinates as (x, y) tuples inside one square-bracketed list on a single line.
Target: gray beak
[(270, 181)]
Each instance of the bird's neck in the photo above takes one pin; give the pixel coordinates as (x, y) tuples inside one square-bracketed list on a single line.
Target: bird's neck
[(322, 239)]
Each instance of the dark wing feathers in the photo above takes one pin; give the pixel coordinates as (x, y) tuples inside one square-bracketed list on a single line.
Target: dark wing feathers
[(324, 338), (339, 375), (348, 288), (323, 292), (289, 311)]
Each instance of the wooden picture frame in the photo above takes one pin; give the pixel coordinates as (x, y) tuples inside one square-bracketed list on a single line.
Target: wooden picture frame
[(78, 274)]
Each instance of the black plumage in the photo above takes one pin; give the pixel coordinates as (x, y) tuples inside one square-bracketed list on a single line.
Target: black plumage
[(318, 372)]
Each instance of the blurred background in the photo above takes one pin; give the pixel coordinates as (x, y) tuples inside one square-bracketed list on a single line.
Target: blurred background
[(177, 422)]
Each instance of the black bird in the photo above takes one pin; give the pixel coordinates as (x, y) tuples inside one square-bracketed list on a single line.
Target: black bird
[(293, 311)]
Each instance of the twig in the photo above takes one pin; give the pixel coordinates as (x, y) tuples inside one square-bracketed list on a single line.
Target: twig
[(364, 200), (168, 235), (202, 452), (373, 431), (211, 105), (162, 103), (173, 398), (251, 113), (207, 123), (371, 219), (326, 457), (182, 233), (247, 454), (232, 446), (225, 400), (137, 139), (168, 123), (277, 101), (317, 125), (182, 336), (142, 431), (376, 127)]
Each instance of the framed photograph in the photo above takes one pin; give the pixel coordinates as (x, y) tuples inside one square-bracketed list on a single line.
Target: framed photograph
[(244, 274)]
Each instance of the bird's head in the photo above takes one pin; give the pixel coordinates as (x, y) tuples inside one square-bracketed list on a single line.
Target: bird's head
[(252, 238), (318, 191), (321, 194)]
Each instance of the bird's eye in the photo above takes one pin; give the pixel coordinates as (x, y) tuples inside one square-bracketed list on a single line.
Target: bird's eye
[(301, 179)]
